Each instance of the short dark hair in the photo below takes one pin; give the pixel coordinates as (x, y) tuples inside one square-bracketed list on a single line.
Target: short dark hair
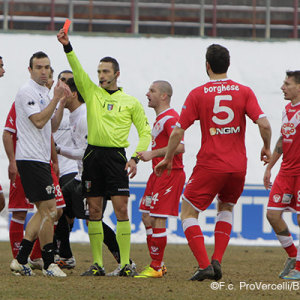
[(39, 54), (65, 71), (0, 57), (113, 61), (218, 58), (71, 83), (294, 74)]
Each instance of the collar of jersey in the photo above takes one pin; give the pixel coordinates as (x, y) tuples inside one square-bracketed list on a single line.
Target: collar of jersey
[(216, 80), (39, 87)]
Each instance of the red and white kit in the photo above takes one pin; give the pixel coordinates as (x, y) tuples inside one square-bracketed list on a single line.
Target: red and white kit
[(17, 198), (162, 194), (285, 192), (220, 105)]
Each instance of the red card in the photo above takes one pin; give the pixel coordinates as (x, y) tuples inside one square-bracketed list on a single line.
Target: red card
[(67, 25)]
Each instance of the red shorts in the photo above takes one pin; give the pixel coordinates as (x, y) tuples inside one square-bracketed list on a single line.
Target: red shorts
[(162, 194), (204, 185), (17, 199), (60, 201), (285, 193)]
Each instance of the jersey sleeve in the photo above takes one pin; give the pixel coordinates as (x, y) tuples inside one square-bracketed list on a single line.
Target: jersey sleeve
[(27, 102), (83, 82), (253, 110), (10, 124), (141, 123), (189, 113)]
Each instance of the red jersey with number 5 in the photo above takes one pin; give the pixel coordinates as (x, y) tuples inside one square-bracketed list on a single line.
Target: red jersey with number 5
[(221, 107), (290, 131)]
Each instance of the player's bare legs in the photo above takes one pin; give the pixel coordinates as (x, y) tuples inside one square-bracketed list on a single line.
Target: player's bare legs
[(285, 238), (282, 231)]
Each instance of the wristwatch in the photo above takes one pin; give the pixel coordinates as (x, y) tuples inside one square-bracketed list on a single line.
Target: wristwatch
[(136, 159)]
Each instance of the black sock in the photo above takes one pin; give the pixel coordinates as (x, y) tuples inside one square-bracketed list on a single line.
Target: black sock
[(25, 250), (48, 255), (111, 242), (63, 235)]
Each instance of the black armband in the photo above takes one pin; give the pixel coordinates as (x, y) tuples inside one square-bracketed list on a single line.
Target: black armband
[(135, 159), (68, 48)]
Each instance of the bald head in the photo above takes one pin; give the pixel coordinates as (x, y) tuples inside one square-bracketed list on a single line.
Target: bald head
[(164, 87)]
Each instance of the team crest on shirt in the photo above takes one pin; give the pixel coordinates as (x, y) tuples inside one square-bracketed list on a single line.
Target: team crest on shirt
[(110, 107), (276, 198), (288, 129)]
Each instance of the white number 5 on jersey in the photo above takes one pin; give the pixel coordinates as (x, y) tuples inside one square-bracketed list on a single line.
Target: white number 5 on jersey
[(218, 108)]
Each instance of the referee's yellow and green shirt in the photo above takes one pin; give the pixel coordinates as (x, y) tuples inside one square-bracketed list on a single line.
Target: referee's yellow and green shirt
[(109, 116)]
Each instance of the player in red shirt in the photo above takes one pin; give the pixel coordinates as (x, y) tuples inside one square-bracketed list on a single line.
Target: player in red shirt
[(285, 192), (162, 195), (221, 105)]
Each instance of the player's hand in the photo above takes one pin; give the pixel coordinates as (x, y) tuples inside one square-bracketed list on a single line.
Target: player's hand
[(145, 155), (12, 171), (67, 94), (63, 37), (265, 155), (132, 168), (267, 178), (59, 90), (165, 164)]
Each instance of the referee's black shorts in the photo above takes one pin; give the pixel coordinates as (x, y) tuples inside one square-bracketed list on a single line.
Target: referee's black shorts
[(104, 172)]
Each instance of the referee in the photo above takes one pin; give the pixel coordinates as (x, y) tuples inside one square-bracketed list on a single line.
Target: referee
[(110, 114)]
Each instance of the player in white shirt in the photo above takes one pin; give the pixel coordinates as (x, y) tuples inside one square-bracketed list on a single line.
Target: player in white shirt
[(34, 110), (67, 171)]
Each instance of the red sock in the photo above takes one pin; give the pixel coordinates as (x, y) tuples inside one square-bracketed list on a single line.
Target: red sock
[(222, 237), (158, 245), (36, 250), (149, 233), (291, 250), (195, 239), (16, 234), (297, 266)]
